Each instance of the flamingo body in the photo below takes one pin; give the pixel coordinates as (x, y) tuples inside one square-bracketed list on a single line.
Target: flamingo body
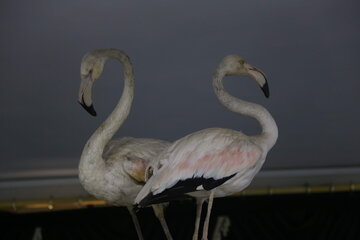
[(114, 170), (205, 158), (125, 161), (214, 162)]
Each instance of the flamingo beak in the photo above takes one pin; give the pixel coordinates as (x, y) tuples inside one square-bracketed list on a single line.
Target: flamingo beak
[(85, 95), (265, 89), (260, 78)]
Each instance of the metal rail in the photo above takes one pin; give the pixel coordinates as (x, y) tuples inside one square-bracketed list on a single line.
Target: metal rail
[(41, 205)]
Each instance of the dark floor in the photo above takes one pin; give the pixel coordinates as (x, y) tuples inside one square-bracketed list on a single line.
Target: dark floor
[(312, 216)]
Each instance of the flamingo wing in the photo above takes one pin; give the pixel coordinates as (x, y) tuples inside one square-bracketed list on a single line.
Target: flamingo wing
[(135, 168), (200, 161), (134, 154)]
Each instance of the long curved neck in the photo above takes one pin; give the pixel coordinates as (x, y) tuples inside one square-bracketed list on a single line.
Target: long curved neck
[(269, 128), (93, 150)]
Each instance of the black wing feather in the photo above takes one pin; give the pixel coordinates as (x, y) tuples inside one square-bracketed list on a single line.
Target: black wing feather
[(181, 187)]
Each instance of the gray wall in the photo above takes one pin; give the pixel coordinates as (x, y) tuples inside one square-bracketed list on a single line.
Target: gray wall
[(308, 49)]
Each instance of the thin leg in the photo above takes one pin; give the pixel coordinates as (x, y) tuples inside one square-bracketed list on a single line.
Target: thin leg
[(207, 219), (159, 213), (136, 222), (199, 203)]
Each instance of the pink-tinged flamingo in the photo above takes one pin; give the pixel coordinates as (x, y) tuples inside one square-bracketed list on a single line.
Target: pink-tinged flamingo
[(114, 170), (214, 162)]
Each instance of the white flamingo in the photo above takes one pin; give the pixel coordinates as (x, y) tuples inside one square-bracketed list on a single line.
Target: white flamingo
[(214, 162), (114, 170)]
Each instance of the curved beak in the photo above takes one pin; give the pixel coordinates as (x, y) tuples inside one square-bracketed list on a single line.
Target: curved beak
[(259, 77), (84, 97)]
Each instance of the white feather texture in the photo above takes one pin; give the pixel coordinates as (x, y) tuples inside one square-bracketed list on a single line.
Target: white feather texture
[(216, 152), (114, 170)]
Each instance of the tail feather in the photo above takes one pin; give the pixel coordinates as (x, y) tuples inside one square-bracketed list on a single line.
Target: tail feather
[(180, 188)]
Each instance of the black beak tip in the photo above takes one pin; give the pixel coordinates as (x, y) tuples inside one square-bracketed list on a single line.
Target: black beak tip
[(265, 89), (90, 109)]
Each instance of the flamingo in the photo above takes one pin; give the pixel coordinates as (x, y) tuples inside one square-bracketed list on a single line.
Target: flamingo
[(214, 162), (114, 170)]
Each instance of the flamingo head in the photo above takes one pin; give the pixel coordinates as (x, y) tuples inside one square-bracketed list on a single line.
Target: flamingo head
[(91, 68), (235, 65)]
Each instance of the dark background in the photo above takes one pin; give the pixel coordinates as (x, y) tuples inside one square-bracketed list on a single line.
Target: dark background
[(296, 217), (309, 51)]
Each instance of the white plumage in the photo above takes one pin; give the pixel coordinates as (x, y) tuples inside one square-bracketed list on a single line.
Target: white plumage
[(216, 161), (191, 157), (114, 170)]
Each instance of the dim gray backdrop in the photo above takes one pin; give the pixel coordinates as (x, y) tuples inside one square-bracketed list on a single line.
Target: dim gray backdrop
[(309, 51)]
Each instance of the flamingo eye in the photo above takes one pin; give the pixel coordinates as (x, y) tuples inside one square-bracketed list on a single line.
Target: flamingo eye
[(242, 61), (149, 173)]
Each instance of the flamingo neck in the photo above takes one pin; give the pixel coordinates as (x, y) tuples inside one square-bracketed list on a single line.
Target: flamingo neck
[(91, 158), (269, 133)]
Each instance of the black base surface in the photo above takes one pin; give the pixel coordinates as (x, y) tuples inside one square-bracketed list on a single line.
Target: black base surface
[(313, 216)]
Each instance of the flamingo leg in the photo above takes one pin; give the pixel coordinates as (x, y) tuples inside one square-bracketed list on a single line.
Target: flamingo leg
[(159, 213), (199, 203), (136, 222), (207, 219)]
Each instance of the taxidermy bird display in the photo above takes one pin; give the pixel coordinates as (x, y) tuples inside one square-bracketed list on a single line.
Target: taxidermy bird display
[(214, 162), (114, 170)]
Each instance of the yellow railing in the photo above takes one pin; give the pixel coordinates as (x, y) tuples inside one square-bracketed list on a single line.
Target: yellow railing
[(300, 189), (27, 206), (40, 205)]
